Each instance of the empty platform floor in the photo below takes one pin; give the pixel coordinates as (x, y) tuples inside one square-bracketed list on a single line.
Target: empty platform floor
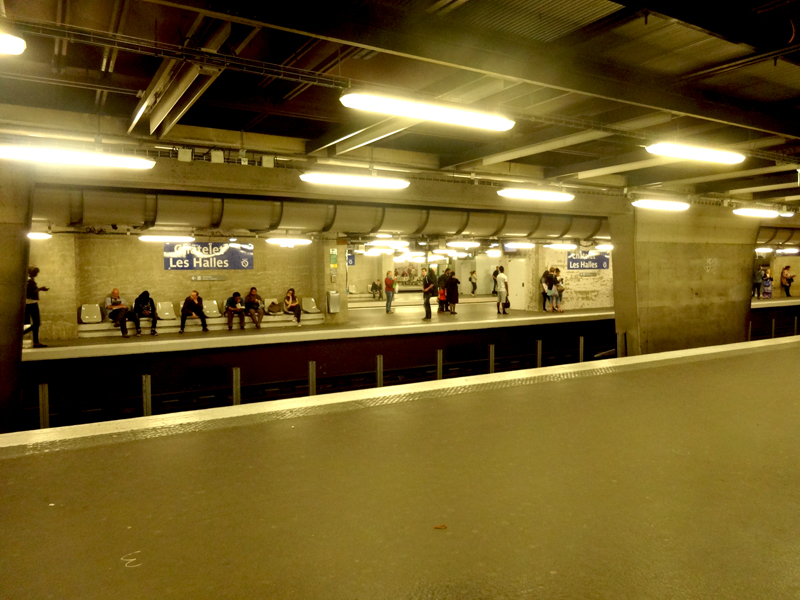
[(668, 476)]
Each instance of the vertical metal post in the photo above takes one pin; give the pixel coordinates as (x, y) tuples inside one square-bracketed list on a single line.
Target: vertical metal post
[(379, 371), (491, 358), (538, 353), (147, 396), (580, 352), (312, 378), (749, 331), (622, 344), (439, 363), (795, 325), (773, 328), (236, 373), (44, 406)]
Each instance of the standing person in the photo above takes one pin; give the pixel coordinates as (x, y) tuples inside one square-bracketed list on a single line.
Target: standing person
[(32, 315), (234, 307), (389, 282), (552, 290), (193, 305), (442, 285), (495, 273), (254, 306), (144, 308), (766, 285), (502, 290), (473, 279), (559, 286), (428, 290), (452, 293), (291, 305), (117, 311), (758, 279), (786, 281), (543, 282)]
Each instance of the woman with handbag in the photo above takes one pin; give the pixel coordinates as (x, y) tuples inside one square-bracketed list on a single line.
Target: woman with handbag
[(786, 281)]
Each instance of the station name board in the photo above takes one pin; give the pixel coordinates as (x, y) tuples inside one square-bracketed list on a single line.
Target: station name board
[(583, 261), (207, 256)]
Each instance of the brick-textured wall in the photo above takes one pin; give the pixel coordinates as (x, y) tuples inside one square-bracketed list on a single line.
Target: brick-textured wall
[(56, 259)]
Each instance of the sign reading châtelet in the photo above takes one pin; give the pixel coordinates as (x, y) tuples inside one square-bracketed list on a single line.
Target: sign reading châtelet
[(207, 256), (583, 261)]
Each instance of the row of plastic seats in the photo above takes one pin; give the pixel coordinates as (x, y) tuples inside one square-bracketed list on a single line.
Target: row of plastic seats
[(91, 313)]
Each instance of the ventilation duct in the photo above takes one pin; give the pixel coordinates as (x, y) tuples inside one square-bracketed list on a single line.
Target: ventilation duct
[(778, 235)]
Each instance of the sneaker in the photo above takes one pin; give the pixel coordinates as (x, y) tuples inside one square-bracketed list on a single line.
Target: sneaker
[(180, 331), (38, 345), (125, 335), (153, 332), (426, 318), (299, 325), (205, 329), (116, 324), (138, 334)]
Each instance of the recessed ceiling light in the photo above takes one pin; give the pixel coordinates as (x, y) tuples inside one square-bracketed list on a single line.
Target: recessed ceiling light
[(604, 247), (671, 205), (561, 246), (288, 242), (75, 158), (425, 111), (494, 253), (383, 236), (466, 244), (762, 213), (540, 195), (357, 181), (520, 245), (788, 250), (786, 214), (36, 235), (695, 153), (763, 250), (11, 44)]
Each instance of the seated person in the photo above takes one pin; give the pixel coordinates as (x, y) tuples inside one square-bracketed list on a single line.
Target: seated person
[(254, 306), (193, 305), (117, 311), (144, 308), (291, 305), (377, 290), (234, 306)]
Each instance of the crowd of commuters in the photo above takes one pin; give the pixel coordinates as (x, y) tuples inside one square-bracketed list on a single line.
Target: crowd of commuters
[(552, 289), (763, 280)]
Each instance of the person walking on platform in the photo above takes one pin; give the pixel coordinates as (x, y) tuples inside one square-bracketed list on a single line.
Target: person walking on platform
[(32, 315), (291, 305), (193, 306), (254, 306), (144, 308), (234, 307), (428, 291), (786, 281), (452, 293), (117, 311), (502, 290), (389, 282), (495, 273), (473, 279), (758, 280)]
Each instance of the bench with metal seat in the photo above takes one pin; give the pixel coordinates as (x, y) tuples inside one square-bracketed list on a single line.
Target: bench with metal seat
[(309, 306), (91, 313), (166, 311)]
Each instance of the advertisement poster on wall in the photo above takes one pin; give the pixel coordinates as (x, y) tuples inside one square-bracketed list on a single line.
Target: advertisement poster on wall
[(584, 261), (202, 256)]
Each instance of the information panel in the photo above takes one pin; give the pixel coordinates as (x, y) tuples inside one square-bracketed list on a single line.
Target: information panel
[(583, 261), (197, 256)]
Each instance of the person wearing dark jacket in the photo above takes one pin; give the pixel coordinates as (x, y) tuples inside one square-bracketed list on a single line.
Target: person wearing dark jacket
[(32, 305), (144, 308), (428, 290), (193, 306), (442, 285), (254, 306), (451, 291)]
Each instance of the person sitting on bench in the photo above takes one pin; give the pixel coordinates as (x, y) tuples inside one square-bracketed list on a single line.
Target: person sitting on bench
[(144, 308), (234, 306), (117, 310), (254, 306), (377, 290), (291, 305), (193, 305)]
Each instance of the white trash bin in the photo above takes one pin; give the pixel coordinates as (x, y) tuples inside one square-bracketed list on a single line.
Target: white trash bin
[(333, 302)]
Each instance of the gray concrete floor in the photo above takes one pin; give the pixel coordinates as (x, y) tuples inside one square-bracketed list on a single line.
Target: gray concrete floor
[(672, 481)]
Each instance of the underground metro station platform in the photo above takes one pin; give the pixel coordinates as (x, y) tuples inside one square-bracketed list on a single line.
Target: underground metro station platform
[(673, 475)]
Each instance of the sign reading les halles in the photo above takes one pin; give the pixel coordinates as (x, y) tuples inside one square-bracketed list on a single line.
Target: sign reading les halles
[(207, 256), (582, 261)]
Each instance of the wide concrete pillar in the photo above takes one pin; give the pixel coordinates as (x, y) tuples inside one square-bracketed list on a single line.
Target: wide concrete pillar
[(682, 280), (329, 274), (15, 220)]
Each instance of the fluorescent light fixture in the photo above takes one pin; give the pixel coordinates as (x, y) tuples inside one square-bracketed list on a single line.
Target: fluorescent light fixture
[(437, 258), (395, 244), (425, 111), (762, 213), (373, 252), (422, 243), (166, 238), (786, 214), (520, 245), (561, 246), (763, 250), (494, 253), (417, 259), (461, 254), (36, 235), (357, 181), (604, 247), (672, 205), (541, 195), (383, 236), (695, 153), (11, 44), (401, 258), (788, 250), (76, 158), (288, 242), (443, 251), (466, 244), (415, 254)]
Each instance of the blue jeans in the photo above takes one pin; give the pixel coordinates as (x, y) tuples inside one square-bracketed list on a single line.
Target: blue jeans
[(389, 298)]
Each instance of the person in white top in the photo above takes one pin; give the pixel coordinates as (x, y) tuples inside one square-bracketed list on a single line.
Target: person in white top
[(502, 290)]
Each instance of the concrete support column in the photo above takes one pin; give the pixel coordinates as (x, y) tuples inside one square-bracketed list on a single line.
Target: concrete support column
[(15, 220), (329, 273), (623, 265)]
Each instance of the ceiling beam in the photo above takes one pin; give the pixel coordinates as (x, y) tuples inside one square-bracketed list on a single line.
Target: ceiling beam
[(750, 185), (783, 193), (499, 56)]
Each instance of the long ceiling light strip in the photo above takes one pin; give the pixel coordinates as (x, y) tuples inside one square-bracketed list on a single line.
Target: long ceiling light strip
[(540, 195), (357, 181), (425, 111), (561, 246), (76, 158), (762, 213), (288, 242), (671, 205), (11, 44), (695, 153)]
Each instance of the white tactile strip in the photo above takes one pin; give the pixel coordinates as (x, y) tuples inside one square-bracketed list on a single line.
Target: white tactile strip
[(142, 428)]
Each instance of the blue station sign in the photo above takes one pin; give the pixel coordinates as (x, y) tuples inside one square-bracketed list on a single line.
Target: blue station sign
[(583, 261), (196, 256)]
